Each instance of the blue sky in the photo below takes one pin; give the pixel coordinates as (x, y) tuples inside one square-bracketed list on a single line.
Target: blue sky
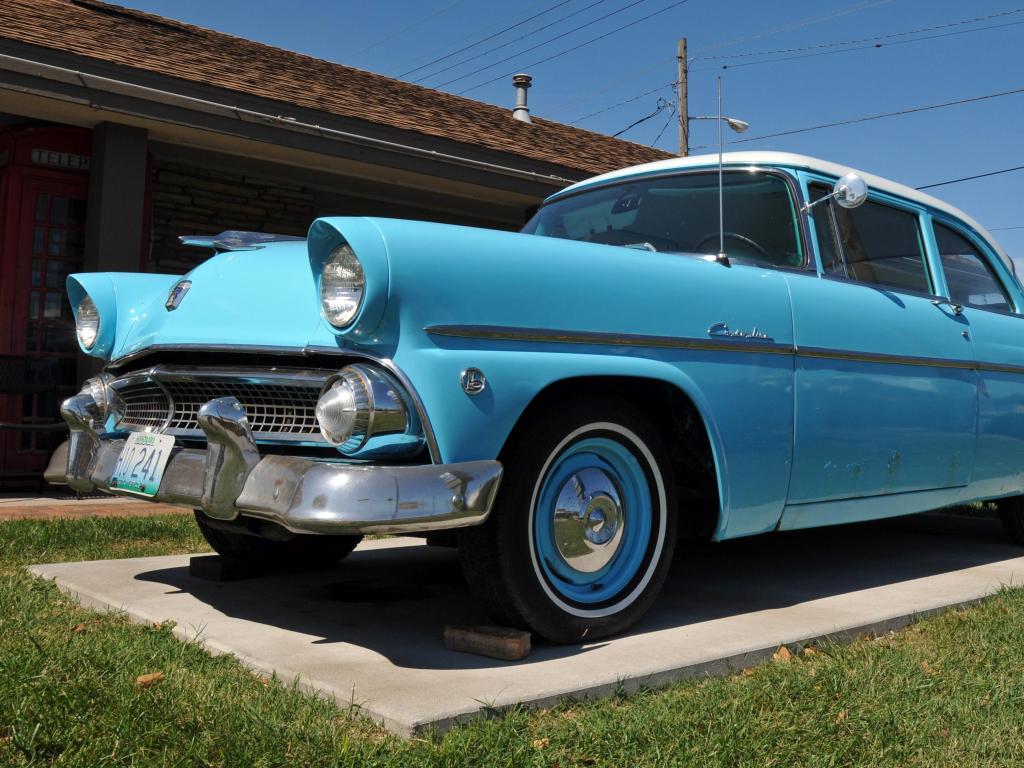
[(931, 146)]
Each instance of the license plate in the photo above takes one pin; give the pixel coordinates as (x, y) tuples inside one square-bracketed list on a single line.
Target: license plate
[(140, 467)]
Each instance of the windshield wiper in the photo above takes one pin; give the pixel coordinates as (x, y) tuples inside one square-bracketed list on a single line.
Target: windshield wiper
[(644, 246)]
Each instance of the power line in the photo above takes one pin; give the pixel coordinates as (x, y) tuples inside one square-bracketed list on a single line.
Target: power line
[(971, 178), (576, 47), (875, 38), (795, 25), (403, 30), (541, 45), (662, 104), (665, 126), (868, 118), (1002, 229), (485, 39), (531, 33), (630, 100), (873, 46)]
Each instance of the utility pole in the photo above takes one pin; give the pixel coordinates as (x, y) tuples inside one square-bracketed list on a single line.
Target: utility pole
[(682, 98)]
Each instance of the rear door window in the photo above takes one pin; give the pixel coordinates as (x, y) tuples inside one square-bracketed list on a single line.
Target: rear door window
[(968, 275)]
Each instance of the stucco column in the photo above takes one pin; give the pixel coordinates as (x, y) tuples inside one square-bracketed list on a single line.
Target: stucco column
[(113, 224), (117, 186)]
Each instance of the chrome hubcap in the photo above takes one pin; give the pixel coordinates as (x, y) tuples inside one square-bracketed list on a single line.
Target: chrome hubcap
[(589, 520)]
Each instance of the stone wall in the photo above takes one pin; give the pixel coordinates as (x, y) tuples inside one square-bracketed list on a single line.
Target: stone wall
[(191, 200)]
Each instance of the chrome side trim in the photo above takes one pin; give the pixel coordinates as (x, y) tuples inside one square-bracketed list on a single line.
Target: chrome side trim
[(741, 344), (883, 359), (505, 333)]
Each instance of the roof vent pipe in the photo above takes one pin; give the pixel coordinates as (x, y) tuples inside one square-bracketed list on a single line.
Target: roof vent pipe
[(521, 112)]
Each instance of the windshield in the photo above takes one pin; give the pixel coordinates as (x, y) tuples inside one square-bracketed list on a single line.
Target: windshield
[(680, 214)]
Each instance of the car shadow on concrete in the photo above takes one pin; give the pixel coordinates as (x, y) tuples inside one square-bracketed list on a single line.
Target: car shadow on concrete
[(396, 601)]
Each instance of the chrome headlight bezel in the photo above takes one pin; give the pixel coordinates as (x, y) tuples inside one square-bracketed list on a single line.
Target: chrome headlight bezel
[(87, 323), (342, 286)]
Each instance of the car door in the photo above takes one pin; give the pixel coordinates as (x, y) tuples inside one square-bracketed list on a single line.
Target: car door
[(978, 281), (885, 391)]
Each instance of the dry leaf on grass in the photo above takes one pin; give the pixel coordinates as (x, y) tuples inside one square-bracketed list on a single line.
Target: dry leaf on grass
[(928, 668), (809, 650), (841, 717), (145, 681), (782, 654), (541, 743), (79, 628)]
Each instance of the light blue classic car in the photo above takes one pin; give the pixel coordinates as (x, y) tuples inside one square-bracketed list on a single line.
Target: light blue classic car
[(574, 397)]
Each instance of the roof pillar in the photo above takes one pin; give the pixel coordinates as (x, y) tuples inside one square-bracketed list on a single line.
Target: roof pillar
[(117, 191)]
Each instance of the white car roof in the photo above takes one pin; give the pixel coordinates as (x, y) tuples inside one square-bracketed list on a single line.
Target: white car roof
[(789, 160)]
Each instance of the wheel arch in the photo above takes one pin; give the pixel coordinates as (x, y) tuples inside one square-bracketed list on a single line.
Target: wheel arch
[(697, 459)]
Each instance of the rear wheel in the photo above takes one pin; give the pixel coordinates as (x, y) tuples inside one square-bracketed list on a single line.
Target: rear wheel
[(1011, 511), (287, 551), (582, 533)]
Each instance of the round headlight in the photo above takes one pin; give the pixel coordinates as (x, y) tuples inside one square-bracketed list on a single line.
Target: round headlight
[(343, 411), (342, 284), (87, 323)]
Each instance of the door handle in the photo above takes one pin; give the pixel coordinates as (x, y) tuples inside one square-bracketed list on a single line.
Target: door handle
[(958, 309)]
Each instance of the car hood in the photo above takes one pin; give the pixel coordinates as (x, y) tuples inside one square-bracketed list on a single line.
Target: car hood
[(254, 298)]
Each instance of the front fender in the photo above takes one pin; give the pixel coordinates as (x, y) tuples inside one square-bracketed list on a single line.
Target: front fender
[(749, 432)]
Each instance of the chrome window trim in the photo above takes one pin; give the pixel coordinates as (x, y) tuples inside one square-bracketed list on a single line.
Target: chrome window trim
[(796, 193), (503, 333)]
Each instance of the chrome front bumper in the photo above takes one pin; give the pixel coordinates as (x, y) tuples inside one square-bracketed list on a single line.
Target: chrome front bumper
[(230, 478)]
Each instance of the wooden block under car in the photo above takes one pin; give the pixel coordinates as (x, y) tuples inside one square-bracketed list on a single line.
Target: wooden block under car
[(493, 642)]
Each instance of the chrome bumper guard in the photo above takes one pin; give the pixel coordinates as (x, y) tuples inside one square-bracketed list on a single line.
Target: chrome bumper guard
[(231, 478)]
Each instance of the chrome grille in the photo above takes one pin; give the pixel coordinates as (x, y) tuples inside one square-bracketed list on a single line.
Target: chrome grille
[(146, 405), (270, 407), (280, 405)]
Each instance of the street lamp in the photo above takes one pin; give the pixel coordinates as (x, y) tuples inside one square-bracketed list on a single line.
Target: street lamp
[(739, 126)]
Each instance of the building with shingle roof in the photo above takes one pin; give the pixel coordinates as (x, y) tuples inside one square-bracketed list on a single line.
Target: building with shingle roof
[(120, 130)]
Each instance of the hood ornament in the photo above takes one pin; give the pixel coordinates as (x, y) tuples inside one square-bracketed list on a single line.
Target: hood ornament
[(177, 294)]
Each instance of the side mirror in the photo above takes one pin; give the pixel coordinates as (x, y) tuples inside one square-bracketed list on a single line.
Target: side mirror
[(850, 191)]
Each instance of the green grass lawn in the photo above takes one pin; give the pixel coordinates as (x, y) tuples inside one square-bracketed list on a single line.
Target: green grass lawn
[(946, 691)]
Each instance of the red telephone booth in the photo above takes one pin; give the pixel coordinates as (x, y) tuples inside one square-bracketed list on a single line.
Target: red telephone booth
[(44, 177)]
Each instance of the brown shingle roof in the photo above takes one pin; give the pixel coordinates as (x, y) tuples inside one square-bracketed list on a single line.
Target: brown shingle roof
[(147, 42)]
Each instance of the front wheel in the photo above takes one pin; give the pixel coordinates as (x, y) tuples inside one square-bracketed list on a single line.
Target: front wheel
[(298, 551), (582, 533)]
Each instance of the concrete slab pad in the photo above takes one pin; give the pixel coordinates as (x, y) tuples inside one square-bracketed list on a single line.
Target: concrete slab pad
[(370, 632)]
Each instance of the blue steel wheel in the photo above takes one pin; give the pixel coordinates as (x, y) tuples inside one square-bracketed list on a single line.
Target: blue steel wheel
[(583, 530)]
